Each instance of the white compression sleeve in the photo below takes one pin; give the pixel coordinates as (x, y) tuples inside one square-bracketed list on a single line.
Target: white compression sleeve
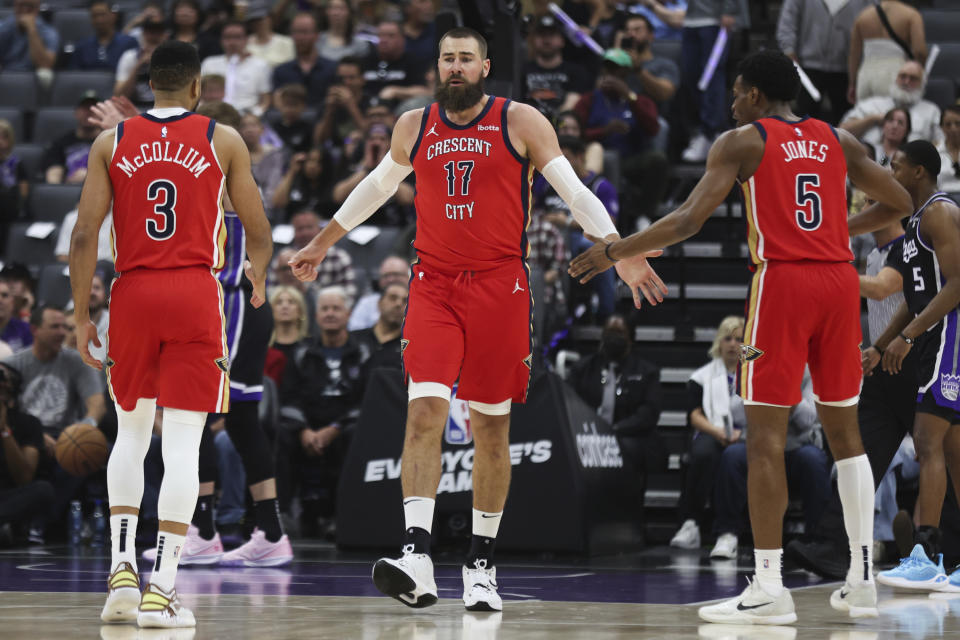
[(372, 192), (584, 204)]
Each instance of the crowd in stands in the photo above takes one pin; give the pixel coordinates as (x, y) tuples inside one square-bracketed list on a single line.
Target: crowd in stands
[(320, 84)]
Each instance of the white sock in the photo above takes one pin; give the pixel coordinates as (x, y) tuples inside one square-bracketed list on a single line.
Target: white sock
[(855, 485), (418, 512), (169, 546), (485, 523), (123, 533), (768, 562)]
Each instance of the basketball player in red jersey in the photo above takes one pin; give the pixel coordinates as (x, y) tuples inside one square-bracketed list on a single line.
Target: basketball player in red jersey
[(468, 314), (803, 309), (166, 172)]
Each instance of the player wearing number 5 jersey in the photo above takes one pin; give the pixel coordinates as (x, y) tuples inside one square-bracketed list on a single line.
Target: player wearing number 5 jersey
[(803, 309), (468, 315), (166, 172)]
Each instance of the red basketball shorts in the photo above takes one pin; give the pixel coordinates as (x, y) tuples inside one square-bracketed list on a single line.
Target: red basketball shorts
[(166, 340), (802, 313), (471, 325)]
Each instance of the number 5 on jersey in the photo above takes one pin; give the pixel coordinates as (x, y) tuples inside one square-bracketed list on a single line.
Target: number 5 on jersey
[(809, 220), (163, 228)]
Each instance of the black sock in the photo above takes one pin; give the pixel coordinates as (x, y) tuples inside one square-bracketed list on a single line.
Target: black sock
[(929, 537), (203, 517), (419, 538), (481, 548), (268, 518)]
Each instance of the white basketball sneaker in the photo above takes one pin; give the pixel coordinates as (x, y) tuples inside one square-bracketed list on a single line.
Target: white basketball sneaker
[(480, 588), (123, 596), (753, 606), (161, 609), (409, 578), (859, 600)]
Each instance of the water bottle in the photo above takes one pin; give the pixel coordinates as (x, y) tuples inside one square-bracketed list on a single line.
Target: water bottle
[(99, 524), (75, 522)]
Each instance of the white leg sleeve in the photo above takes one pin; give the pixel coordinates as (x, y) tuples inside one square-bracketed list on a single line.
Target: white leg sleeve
[(496, 409), (181, 461), (427, 390), (125, 468)]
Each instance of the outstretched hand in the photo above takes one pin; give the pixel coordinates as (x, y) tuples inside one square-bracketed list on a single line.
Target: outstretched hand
[(109, 113), (635, 271)]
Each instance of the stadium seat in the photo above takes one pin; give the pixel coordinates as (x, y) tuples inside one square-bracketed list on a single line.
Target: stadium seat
[(32, 157), (945, 4), (370, 255), (53, 122), (68, 86), (941, 91), (947, 62), (53, 286), (667, 49), (52, 201), (18, 89), (27, 250), (941, 25), (15, 118), (73, 25)]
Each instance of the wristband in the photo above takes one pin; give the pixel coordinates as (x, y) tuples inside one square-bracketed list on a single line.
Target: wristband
[(5, 433), (879, 350), (906, 339), (90, 421), (606, 252)]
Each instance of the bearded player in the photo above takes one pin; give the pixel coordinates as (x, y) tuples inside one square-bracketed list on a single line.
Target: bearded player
[(468, 315)]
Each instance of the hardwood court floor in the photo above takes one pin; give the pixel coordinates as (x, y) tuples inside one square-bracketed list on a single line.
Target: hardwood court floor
[(53, 594)]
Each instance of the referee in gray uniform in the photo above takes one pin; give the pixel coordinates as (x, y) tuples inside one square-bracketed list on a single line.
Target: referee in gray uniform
[(885, 412)]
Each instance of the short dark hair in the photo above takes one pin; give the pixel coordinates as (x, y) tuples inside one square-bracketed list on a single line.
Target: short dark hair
[(639, 16), (950, 108), (355, 61), (174, 65), (467, 32), (36, 316), (772, 73), (921, 153), (225, 114), (572, 143)]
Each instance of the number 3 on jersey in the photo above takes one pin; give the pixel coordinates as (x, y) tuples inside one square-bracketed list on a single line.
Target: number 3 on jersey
[(163, 228), (808, 219)]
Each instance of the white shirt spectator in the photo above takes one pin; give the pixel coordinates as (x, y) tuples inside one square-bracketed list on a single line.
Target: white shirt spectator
[(247, 79), (924, 119), (365, 313), (104, 247), (277, 51), (948, 180)]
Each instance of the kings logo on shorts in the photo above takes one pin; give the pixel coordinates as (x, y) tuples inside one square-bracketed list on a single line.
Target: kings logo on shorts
[(950, 386), (458, 429)]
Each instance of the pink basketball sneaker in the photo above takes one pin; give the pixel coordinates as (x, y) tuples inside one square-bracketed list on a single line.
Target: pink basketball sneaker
[(259, 552), (196, 550)]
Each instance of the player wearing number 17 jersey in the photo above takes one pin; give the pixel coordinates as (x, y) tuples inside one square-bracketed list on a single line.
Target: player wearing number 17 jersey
[(166, 172), (803, 309), (468, 315)]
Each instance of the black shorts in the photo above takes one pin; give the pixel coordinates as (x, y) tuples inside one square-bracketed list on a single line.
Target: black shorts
[(248, 337)]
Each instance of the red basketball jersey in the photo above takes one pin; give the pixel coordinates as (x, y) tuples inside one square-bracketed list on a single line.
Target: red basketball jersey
[(796, 201), (167, 190), (473, 191)]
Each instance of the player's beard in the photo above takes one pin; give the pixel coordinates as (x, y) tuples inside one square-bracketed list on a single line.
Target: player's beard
[(456, 99)]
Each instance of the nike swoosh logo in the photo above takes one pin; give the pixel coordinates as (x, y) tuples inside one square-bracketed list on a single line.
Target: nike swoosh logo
[(483, 515), (843, 594), (409, 500), (741, 607)]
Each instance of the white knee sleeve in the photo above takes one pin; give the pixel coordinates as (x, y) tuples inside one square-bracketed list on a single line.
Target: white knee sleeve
[(497, 409), (427, 390), (181, 476), (125, 468)]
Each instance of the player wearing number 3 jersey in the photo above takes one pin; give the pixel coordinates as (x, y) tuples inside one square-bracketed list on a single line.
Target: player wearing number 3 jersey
[(468, 315), (802, 310), (166, 172)]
